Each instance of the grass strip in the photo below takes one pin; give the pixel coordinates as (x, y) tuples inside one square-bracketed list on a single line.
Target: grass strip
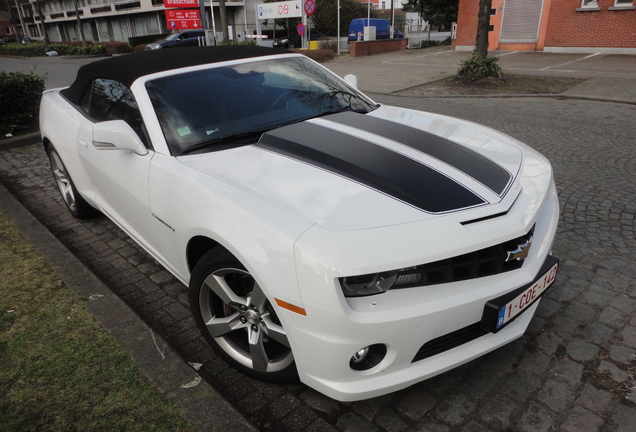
[(59, 369)]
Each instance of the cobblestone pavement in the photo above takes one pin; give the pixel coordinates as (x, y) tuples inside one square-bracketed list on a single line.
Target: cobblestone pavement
[(572, 371)]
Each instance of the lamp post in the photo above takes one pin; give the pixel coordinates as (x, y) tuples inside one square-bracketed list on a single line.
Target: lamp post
[(338, 27)]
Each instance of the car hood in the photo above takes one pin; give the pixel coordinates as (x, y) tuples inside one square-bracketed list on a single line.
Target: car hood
[(358, 171)]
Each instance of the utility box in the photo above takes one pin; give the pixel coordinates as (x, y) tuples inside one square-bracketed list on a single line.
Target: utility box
[(369, 33)]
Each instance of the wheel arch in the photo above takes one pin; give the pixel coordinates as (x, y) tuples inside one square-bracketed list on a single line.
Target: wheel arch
[(46, 143), (197, 247)]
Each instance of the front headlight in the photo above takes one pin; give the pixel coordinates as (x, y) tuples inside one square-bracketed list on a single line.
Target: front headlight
[(378, 283), (358, 286), (152, 46)]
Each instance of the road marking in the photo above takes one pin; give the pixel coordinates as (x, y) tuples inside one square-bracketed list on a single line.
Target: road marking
[(422, 56), (573, 61), (504, 54)]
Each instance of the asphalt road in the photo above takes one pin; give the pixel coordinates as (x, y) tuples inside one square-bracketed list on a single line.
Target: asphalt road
[(575, 368)]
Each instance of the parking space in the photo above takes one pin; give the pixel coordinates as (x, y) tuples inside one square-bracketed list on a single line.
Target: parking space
[(396, 71)]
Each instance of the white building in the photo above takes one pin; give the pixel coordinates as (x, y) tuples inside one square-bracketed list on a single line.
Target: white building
[(112, 20)]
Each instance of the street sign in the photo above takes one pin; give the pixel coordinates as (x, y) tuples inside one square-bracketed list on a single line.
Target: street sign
[(300, 28), (180, 3), (310, 7), (183, 19), (288, 9)]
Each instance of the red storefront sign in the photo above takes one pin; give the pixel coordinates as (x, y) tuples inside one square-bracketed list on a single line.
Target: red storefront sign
[(180, 3), (183, 19)]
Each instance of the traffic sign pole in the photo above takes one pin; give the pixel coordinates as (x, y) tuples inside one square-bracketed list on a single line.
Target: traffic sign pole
[(304, 36)]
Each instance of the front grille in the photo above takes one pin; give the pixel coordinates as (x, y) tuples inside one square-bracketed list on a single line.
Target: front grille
[(449, 341), (485, 262)]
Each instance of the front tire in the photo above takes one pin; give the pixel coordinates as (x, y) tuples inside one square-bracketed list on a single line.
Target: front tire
[(237, 319), (75, 204)]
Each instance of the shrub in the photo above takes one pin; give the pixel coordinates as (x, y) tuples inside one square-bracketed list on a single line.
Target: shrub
[(473, 69), (67, 49), (39, 49), (20, 94), (319, 55), (235, 43), (22, 50), (143, 40), (432, 43), (117, 47), (329, 44)]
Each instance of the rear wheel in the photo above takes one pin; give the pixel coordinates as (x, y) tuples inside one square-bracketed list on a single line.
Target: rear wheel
[(237, 319), (73, 200)]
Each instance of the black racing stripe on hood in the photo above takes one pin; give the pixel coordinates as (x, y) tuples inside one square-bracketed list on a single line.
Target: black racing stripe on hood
[(464, 159), (376, 167)]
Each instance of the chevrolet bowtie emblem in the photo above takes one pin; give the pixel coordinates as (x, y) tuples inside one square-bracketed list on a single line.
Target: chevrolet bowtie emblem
[(521, 252)]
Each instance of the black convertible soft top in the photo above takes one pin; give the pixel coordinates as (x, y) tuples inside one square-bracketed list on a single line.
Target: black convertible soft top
[(127, 68)]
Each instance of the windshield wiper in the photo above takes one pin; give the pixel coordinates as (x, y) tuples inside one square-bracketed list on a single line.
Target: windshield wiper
[(344, 109), (225, 139)]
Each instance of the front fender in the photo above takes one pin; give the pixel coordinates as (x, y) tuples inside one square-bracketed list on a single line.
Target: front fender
[(186, 203)]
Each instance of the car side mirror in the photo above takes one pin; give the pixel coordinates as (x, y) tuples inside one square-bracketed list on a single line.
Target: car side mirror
[(117, 135), (352, 80)]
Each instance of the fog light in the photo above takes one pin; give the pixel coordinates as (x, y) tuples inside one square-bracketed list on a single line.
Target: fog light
[(368, 357), (360, 355)]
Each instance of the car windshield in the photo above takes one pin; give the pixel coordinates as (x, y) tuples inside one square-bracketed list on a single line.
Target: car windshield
[(204, 110)]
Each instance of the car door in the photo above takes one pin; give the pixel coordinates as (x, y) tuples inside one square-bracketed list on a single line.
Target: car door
[(190, 39), (119, 178)]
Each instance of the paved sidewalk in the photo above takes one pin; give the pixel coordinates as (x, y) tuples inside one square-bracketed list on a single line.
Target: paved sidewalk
[(608, 76), (573, 371)]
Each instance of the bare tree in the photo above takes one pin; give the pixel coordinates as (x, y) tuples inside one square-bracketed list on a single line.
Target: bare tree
[(483, 23), (80, 28), (481, 65), (38, 6), (226, 33)]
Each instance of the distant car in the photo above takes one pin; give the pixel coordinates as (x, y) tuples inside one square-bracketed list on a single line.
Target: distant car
[(382, 29), (179, 39), (358, 246), (295, 41)]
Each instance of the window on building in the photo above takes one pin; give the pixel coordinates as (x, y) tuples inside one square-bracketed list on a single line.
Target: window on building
[(590, 3), (624, 3)]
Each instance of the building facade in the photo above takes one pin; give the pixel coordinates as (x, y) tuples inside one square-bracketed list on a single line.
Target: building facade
[(113, 20), (578, 26)]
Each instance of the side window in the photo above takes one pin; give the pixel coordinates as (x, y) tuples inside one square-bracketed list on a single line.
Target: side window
[(111, 100)]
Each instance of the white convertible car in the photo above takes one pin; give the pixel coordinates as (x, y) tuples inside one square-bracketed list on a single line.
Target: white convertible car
[(357, 246)]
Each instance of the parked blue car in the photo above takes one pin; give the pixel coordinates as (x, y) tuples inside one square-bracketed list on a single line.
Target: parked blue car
[(382, 29)]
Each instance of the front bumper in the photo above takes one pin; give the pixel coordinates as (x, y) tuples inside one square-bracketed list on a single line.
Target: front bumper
[(404, 320)]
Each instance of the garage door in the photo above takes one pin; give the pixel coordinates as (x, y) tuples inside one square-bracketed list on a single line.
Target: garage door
[(520, 21)]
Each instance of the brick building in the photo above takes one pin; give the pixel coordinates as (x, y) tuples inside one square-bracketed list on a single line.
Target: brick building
[(578, 26)]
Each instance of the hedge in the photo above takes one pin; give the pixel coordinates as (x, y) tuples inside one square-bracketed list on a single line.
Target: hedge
[(20, 94), (142, 40), (39, 49)]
